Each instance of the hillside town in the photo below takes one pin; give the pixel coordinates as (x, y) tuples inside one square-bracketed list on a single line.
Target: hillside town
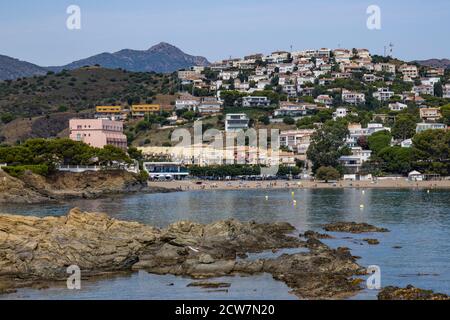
[(371, 108), (296, 92)]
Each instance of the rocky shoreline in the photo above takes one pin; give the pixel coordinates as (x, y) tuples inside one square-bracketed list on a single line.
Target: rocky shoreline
[(36, 251), (40, 249), (64, 186)]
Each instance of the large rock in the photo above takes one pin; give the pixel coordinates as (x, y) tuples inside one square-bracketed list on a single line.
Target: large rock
[(410, 293), (352, 227), (13, 190), (44, 247)]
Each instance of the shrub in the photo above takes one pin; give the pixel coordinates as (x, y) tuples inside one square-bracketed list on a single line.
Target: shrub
[(327, 173), (18, 171), (143, 176)]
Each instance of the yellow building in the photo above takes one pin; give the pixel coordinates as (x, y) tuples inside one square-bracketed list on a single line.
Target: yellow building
[(108, 109), (140, 110), (110, 112)]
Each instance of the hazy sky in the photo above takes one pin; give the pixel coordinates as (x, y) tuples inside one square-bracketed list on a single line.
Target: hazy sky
[(36, 31)]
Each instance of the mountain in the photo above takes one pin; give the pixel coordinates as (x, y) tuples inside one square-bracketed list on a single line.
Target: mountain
[(163, 58), (11, 68), (435, 63)]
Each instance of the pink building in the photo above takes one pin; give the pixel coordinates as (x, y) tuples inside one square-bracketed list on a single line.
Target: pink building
[(98, 132)]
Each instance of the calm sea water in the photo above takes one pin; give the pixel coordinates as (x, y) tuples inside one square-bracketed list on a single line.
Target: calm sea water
[(419, 222)]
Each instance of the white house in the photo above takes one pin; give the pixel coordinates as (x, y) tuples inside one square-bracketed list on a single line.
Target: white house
[(290, 90), (397, 106), (297, 140), (354, 162), (357, 131), (430, 81), (430, 114), (353, 98), (236, 122), (446, 91), (406, 143), (187, 101), (255, 101), (415, 176), (227, 75), (290, 109), (340, 113), (324, 99), (409, 71), (430, 126), (383, 94), (385, 67), (286, 67), (209, 105), (424, 89), (262, 84)]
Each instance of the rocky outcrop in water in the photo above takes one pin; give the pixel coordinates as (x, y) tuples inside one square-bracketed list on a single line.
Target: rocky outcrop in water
[(37, 249), (352, 227), (410, 293)]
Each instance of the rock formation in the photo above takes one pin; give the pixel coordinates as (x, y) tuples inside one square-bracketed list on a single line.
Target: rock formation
[(352, 227), (40, 249), (32, 188)]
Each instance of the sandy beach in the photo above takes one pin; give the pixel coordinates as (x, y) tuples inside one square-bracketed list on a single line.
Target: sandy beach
[(188, 185)]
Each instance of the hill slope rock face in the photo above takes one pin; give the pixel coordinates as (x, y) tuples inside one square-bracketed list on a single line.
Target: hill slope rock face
[(162, 57), (32, 188), (11, 68)]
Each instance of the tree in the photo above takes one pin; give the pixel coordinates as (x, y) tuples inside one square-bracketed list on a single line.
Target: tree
[(6, 117), (110, 154), (404, 126), (445, 110), (363, 143), (188, 115), (135, 153), (265, 120), (397, 160), (438, 90), (432, 151), (289, 121), (230, 97), (328, 144), (379, 140), (327, 174)]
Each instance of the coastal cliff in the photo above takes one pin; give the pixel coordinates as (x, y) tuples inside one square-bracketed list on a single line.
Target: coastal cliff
[(60, 186)]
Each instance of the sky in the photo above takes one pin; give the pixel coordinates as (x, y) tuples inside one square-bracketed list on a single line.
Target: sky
[(36, 31)]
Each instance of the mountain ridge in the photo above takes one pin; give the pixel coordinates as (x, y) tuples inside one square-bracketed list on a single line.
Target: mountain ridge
[(162, 58), (12, 68), (435, 63)]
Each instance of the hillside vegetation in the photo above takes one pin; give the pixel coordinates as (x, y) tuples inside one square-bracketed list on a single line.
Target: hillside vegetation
[(79, 90)]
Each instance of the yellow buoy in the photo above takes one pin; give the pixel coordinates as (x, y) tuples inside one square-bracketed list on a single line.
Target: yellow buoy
[(361, 206)]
